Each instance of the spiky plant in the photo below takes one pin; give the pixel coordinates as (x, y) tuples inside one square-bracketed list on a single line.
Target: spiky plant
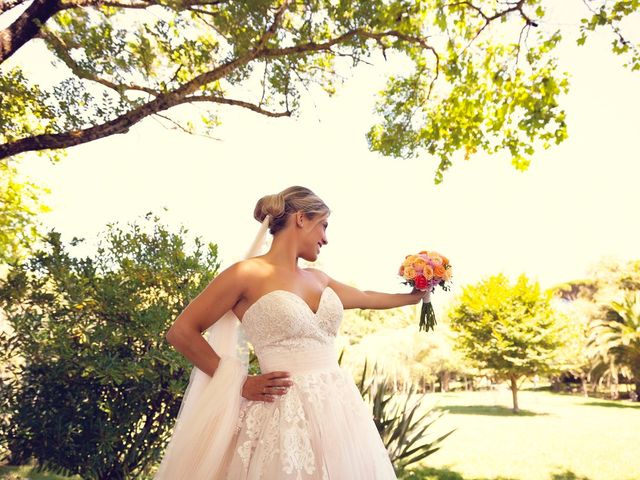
[(403, 432)]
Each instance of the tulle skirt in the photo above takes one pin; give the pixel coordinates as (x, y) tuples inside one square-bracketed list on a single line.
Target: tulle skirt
[(321, 428)]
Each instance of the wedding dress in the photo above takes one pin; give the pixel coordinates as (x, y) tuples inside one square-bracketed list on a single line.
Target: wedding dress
[(321, 428)]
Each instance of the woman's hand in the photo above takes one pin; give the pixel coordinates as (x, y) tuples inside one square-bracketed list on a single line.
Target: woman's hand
[(264, 387), (421, 294)]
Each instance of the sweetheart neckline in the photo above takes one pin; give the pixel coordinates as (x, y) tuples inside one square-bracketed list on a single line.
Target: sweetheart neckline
[(292, 293)]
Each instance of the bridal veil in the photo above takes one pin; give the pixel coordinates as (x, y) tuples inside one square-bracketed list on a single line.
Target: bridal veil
[(200, 445)]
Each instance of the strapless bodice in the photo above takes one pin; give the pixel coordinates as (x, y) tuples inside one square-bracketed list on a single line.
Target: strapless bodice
[(281, 321)]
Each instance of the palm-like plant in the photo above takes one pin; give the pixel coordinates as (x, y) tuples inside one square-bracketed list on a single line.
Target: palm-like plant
[(615, 340), (402, 434)]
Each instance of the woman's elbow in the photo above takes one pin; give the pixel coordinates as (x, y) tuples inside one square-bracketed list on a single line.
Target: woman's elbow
[(174, 334)]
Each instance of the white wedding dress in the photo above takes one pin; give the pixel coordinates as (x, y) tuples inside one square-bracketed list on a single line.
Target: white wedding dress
[(321, 428)]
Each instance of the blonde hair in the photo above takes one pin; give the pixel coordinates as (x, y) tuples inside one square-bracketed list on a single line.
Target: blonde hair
[(290, 200)]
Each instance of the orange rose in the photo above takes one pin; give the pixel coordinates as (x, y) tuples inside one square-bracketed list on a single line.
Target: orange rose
[(409, 272), (439, 271), (419, 264), (410, 260), (428, 272)]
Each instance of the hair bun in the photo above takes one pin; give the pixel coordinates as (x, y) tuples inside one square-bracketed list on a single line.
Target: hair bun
[(281, 205), (269, 205)]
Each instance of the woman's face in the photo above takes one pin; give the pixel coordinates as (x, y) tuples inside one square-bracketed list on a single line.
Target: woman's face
[(315, 236)]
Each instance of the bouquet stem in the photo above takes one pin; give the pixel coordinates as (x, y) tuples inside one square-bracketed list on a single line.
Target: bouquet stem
[(427, 316)]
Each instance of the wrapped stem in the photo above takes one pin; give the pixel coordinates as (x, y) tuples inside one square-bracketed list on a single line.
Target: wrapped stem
[(427, 315)]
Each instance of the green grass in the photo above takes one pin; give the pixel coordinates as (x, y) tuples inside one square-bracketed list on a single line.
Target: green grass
[(554, 437)]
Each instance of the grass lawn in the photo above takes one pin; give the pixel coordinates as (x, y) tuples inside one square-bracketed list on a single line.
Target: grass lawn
[(555, 437)]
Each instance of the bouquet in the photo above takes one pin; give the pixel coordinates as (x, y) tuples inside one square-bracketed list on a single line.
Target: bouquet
[(424, 271)]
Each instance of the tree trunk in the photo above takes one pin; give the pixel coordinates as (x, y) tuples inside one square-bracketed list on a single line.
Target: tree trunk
[(613, 386), (444, 381), (585, 390), (514, 393)]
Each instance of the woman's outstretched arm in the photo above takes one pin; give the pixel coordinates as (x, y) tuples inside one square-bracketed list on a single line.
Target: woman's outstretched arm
[(352, 297)]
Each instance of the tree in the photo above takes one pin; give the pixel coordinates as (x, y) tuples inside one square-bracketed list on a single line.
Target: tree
[(616, 337), (508, 329), (574, 356), (594, 298), (132, 59), (97, 386)]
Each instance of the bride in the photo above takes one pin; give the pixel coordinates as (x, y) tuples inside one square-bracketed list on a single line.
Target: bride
[(303, 416)]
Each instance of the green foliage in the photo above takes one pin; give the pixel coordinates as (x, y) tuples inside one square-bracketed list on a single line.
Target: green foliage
[(509, 329), (616, 337), (609, 15), (602, 308), (91, 386), (491, 105), (475, 87), (19, 207)]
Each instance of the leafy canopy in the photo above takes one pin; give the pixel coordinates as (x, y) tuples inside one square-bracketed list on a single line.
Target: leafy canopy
[(479, 76)]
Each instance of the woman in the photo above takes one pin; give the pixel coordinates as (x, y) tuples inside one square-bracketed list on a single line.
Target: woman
[(303, 416)]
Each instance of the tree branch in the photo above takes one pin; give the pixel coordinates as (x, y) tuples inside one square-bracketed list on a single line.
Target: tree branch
[(26, 26), (311, 47), (277, 21), (134, 4), (6, 5), (162, 102), (62, 51), (516, 6), (238, 103), (357, 32)]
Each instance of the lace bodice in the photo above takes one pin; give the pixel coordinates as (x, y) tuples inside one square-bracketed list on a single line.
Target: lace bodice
[(281, 320), (321, 428)]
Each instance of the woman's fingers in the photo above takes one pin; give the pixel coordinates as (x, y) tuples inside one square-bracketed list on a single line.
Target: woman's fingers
[(265, 387)]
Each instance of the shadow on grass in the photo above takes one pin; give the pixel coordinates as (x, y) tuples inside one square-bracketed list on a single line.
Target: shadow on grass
[(14, 472), (545, 388), (428, 473), (611, 404), (496, 410)]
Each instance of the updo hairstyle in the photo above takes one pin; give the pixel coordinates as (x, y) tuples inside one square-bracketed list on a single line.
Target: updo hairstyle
[(288, 201)]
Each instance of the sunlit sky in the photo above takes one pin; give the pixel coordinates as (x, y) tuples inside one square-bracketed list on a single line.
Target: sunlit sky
[(577, 202)]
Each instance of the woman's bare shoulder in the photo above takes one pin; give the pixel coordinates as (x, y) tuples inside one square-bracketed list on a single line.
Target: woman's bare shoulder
[(319, 274), (248, 267)]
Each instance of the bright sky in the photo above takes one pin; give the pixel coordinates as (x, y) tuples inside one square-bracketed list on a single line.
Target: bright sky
[(576, 203)]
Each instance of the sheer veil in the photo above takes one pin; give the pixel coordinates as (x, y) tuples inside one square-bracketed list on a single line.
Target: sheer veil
[(201, 442)]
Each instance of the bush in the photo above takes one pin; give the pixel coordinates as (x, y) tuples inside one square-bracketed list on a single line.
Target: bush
[(91, 387)]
